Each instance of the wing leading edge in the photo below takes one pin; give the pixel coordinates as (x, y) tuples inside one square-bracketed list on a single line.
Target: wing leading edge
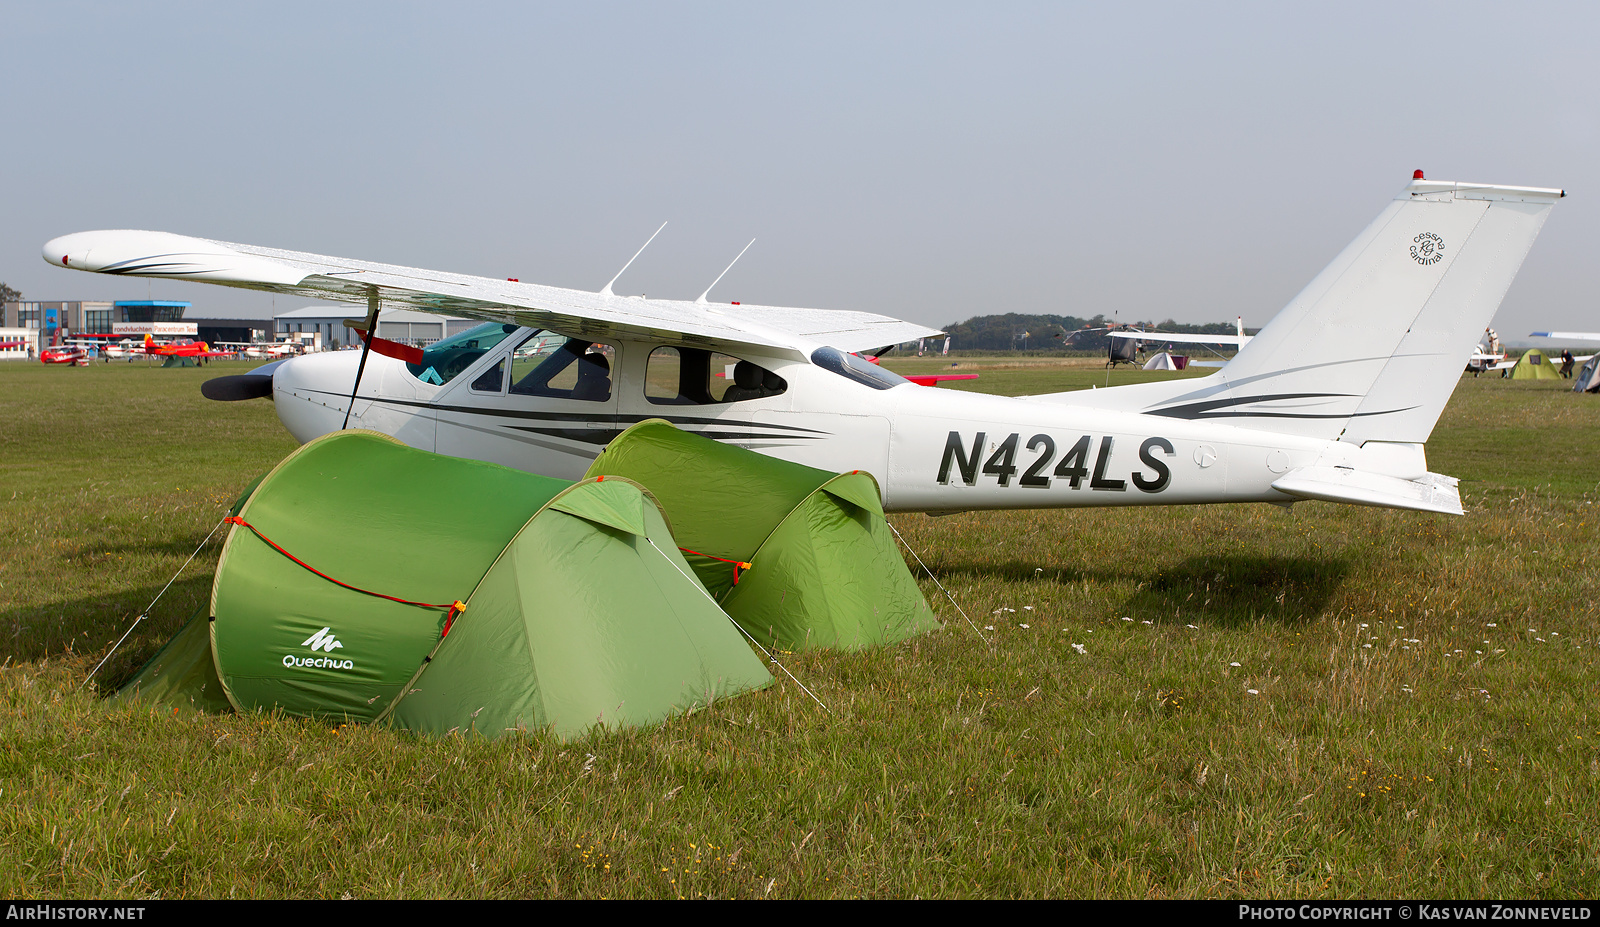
[(575, 312), (1181, 338)]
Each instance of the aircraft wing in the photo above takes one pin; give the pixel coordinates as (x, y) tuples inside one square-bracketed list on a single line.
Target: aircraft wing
[(1567, 336), (1181, 338), (573, 312)]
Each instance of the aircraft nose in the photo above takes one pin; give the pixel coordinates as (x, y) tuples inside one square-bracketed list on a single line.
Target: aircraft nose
[(310, 392)]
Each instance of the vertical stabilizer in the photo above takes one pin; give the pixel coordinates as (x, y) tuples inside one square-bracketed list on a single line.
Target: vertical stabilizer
[(1372, 348)]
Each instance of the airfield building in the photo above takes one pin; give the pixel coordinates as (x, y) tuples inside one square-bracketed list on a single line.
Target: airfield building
[(58, 317), (51, 320), (67, 317), (404, 325), (18, 343)]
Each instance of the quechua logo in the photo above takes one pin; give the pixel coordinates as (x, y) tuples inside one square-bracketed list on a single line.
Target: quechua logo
[(324, 641)]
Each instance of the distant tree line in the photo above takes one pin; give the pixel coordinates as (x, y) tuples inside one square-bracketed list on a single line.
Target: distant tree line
[(8, 295), (1017, 332)]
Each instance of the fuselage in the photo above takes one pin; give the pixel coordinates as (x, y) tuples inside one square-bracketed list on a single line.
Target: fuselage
[(931, 449)]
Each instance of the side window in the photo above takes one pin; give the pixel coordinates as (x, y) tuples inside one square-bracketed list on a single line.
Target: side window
[(722, 372), (664, 377), (548, 364), (695, 376), (491, 380)]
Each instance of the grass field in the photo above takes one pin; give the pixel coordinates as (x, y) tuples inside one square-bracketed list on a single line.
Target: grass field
[(1217, 702)]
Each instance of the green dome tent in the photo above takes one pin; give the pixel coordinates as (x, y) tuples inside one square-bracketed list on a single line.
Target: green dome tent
[(799, 557), (340, 588), (1534, 366)]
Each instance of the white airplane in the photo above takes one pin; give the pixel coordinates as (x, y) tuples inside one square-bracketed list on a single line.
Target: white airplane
[(1131, 342), (1480, 361), (260, 350), (1332, 400), (1239, 340), (1570, 337)]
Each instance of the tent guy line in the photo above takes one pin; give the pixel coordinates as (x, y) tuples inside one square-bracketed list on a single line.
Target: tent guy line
[(146, 612), (764, 652), (936, 582)]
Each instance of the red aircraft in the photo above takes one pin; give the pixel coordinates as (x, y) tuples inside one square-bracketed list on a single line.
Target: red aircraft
[(925, 379), (64, 354), (186, 349)]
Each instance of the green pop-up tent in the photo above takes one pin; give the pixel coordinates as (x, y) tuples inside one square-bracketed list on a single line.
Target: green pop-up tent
[(366, 580), (1534, 365), (798, 556)]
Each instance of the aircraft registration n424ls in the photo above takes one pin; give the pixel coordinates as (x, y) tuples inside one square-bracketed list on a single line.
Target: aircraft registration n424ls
[(1333, 399)]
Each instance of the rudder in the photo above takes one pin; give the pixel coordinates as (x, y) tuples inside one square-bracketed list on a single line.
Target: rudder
[(1372, 348)]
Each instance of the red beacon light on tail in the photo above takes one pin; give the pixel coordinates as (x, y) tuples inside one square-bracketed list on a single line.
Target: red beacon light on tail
[(1417, 174)]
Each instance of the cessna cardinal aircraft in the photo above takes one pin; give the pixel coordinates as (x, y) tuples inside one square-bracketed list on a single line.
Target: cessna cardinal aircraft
[(1332, 400)]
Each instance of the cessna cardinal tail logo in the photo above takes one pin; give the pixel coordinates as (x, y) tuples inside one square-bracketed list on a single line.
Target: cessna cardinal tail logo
[(1429, 249)]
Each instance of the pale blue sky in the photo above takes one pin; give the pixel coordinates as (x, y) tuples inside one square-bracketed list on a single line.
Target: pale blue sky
[(928, 161)]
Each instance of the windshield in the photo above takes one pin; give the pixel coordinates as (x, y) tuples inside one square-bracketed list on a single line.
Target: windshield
[(856, 368), (443, 360)]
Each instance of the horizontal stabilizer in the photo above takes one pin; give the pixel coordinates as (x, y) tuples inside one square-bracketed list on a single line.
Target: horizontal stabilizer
[(1430, 493)]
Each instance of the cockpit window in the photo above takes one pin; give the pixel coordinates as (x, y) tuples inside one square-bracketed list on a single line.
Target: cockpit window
[(856, 368), (696, 376), (443, 360)]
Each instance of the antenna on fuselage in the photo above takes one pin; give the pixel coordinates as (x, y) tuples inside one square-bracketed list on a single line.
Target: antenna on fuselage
[(606, 291), (702, 299)]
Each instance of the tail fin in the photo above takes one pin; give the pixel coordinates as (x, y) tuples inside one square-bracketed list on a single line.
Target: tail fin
[(1373, 347)]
